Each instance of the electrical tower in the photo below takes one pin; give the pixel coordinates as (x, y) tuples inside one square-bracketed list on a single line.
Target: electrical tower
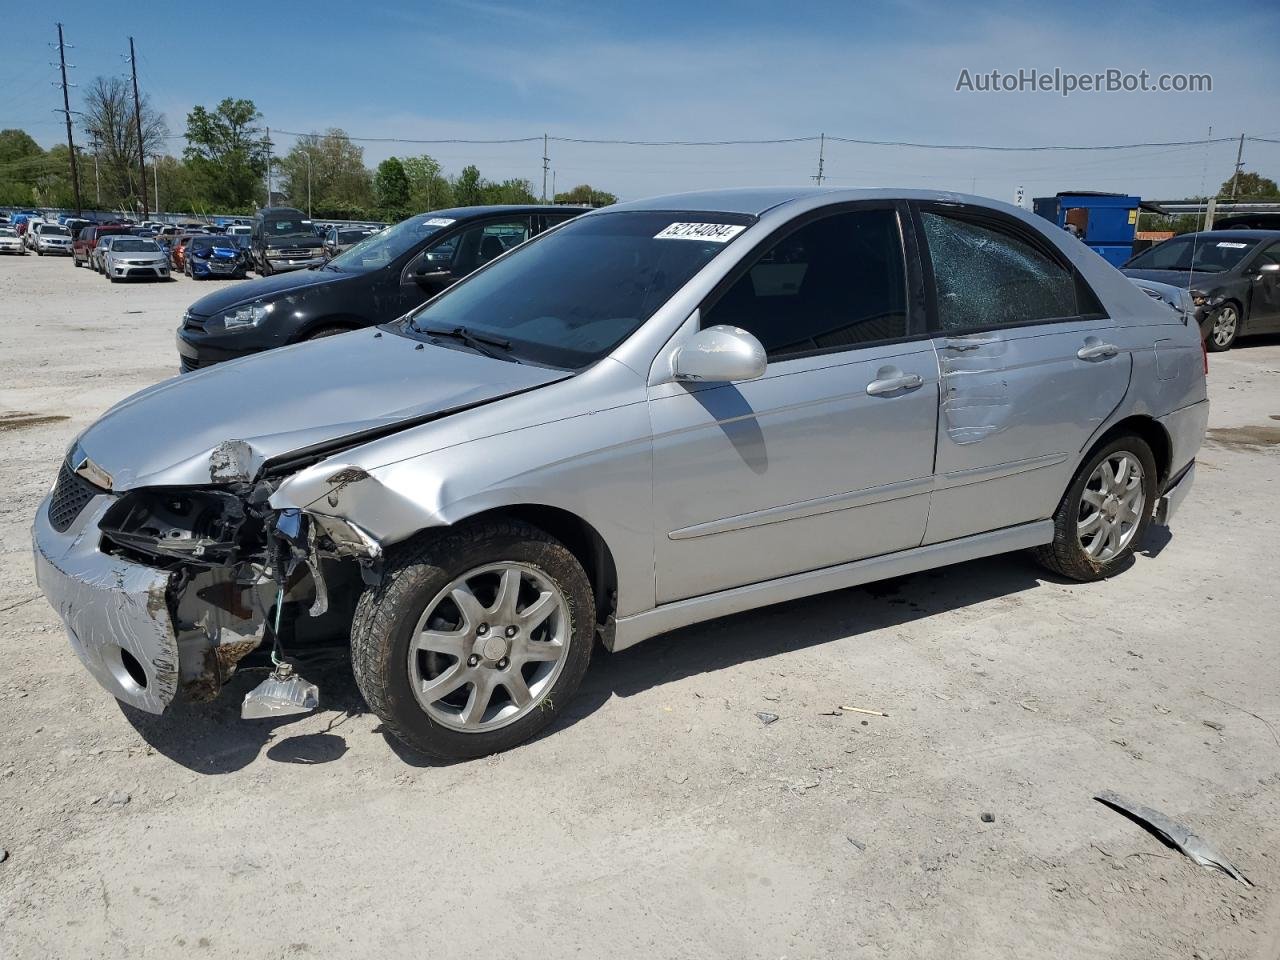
[(66, 113), (822, 149), (137, 119)]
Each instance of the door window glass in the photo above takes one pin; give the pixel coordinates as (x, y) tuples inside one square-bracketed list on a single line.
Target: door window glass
[(986, 277), (835, 283), (488, 241)]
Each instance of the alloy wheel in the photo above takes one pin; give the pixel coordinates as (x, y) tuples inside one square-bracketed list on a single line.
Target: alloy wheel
[(1224, 326), (489, 646), (1111, 506)]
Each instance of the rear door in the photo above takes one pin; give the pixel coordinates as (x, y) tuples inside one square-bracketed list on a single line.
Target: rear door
[(1030, 368), (816, 463)]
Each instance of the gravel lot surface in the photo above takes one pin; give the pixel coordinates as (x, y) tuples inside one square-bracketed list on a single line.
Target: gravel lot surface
[(661, 817)]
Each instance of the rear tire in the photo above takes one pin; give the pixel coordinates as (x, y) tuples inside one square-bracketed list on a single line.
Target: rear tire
[(543, 657), (1105, 512)]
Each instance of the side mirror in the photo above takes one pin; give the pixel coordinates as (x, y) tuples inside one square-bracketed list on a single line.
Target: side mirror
[(430, 273), (1269, 268), (720, 354)]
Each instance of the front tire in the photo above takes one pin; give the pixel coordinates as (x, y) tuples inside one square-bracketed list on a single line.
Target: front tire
[(1224, 327), (475, 639), (1105, 512)]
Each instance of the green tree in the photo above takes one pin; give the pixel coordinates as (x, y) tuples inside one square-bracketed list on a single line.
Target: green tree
[(226, 153), (508, 191), (22, 163), (391, 190), (468, 188), (586, 195), (429, 189), (340, 185), (1250, 186)]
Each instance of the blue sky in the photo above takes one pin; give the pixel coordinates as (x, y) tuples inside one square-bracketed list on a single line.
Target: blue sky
[(686, 69)]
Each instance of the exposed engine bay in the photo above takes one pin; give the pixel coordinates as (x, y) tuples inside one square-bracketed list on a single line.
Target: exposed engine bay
[(241, 572)]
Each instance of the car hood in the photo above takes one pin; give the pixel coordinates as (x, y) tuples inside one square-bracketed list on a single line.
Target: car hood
[(264, 288), (1177, 278), (221, 424)]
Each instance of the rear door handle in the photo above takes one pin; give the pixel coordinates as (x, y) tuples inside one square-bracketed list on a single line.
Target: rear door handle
[(891, 381), (1095, 349)]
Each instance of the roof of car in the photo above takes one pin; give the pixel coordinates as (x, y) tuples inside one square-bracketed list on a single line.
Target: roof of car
[(466, 213), (757, 200), (1236, 234)]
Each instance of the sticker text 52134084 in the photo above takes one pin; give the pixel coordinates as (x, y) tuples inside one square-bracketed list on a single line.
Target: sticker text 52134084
[(713, 232)]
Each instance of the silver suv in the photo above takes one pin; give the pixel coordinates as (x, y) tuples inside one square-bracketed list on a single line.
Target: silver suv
[(655, 414)]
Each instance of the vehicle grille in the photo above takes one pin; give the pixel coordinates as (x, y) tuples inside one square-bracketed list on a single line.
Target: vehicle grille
[(191, 322), (293, 252), (70, 494), (186, 364)]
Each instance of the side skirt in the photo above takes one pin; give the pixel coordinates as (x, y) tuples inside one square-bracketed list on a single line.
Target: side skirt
[(632, 630)]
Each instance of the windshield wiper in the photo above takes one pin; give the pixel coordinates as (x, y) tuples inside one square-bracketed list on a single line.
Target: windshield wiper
[(476, 341)]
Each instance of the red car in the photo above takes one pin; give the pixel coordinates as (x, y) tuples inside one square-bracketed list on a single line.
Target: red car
[(82, 246)]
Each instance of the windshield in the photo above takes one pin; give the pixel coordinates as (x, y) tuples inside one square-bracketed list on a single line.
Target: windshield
[(351, 236), (54, 230), (134, 246), (386, 245), (287, 227), (1211, 254), (570, 297), (8, 232)]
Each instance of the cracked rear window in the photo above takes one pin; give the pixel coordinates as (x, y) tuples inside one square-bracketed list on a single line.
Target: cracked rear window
[(986, 277)]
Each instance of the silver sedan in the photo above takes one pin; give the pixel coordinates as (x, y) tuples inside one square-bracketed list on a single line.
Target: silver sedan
[(655, 414), (134, 258)]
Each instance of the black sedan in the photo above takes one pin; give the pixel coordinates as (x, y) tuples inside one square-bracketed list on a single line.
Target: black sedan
[(1233, 276), (379, 279)]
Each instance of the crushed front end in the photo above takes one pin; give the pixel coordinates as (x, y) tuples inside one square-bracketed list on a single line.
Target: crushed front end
[(164, 591)]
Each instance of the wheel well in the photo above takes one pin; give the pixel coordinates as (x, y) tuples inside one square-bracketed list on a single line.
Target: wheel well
[(581, 539), (1149, 430)]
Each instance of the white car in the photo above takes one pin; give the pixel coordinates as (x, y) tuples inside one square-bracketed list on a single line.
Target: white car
[(10, 242), (29, 238), (134, 258), (52, 238)]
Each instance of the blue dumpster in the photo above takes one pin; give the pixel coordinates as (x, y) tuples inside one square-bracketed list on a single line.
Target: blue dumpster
[(1106, 222)]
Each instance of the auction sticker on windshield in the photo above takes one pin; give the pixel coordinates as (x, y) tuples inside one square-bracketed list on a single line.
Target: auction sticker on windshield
[(437, 222), (1233, 245), (714, 232)]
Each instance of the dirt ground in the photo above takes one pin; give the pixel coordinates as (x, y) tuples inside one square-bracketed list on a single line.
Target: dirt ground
[(661, 817)]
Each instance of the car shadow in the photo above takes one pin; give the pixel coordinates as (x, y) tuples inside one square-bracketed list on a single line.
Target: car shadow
[(211, 738)]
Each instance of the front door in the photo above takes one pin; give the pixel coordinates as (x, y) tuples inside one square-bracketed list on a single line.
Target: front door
[(829, 456), (1264, 307), (1030, 368)]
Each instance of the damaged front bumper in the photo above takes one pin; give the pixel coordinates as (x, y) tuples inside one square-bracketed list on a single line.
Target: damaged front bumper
[(115, 611), (145, 633)]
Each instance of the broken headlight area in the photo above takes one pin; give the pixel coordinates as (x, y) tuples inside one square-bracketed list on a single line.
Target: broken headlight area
[(240, 573), (204, 527)]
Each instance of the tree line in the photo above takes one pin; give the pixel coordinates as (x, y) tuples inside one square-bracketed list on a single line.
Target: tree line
[(223, 168)]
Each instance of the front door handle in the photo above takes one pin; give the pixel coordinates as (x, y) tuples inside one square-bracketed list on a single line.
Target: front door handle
[(1095, 349), (891, 380)]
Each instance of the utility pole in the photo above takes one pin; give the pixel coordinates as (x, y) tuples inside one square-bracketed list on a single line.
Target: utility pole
[(268, 144), (822, 149), (137, 120), (66, 113), (1235, 178), (546, 163), (97, 181), (155, 173), (308, 156)]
